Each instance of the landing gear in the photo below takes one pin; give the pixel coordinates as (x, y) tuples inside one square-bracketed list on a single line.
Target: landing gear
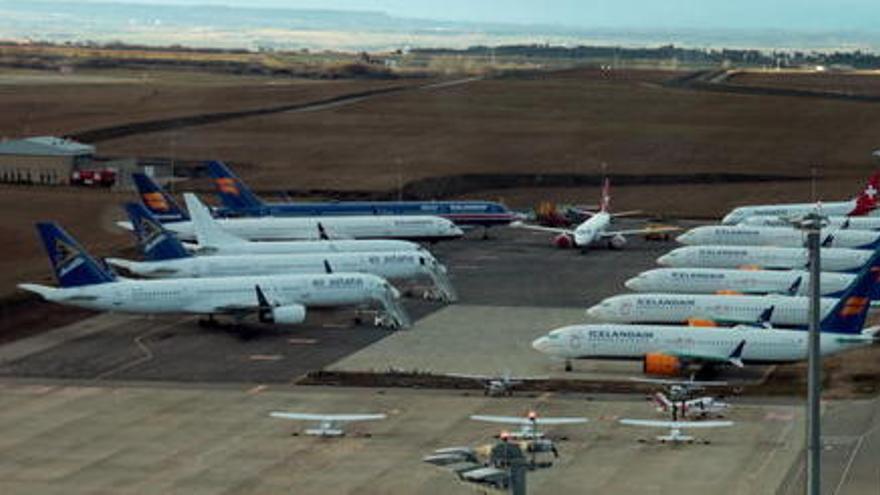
[(485, 233), (385, 320), (568, 366)]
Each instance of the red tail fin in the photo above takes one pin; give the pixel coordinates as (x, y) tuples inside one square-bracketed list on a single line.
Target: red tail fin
[(867, 198), (605, 204)]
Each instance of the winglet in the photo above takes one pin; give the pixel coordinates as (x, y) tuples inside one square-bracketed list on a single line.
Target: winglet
[(322, 232), (735, 357), (766, 315), (794, 287), (828, 241), (327, 267)]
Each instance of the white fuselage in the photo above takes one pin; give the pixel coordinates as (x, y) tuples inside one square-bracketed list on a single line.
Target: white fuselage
[(726, 309), (214, 295), (421, 227), (849, 223), (778, 258), (305, 247), (592, 229), (738, 235), (717, 280), (634, 342), (834, 208)]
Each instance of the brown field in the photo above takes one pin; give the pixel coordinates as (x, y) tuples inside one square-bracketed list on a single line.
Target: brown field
[(859, 83), (568, 122)]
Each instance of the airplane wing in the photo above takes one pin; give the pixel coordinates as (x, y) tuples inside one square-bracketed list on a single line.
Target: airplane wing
[(337, 418), (485, 474), (646, 230), (541, 228), (675, 424), (629, 213), (691, 383), (518, 420), (471, 377)]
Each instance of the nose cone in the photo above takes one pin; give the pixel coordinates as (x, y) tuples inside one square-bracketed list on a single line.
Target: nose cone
[(456, 230), (665, 260), (634, 283), (730, 219), (595, 312), (541, 344), (685, 238)]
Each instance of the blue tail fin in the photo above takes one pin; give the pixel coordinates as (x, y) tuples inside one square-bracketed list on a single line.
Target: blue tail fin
[(848, 315), (155, 242), (157, 200), (73, 266), (234, 194)]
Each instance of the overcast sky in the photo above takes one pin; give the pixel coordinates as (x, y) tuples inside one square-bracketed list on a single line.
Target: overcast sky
[(748, 14)]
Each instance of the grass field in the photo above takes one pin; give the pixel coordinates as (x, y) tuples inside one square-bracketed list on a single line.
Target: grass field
[(860, 83)]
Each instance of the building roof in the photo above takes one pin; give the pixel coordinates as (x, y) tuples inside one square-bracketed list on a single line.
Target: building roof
[(45, 146)]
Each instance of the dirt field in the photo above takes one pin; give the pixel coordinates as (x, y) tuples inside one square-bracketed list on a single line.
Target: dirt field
[(861, 83)]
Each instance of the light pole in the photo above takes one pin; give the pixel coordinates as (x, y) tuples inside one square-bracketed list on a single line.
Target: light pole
[(812, 224)]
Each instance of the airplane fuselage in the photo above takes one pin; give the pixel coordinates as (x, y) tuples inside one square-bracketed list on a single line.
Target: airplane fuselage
[(778, 258), (738, 235), (755, 282)]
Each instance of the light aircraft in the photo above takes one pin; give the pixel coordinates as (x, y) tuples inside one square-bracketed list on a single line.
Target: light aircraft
[(731, 281), (668, 350), (838, 222), (328, 425), (739, 235), (281, 299), (410, 227), (497, 385), (864, 204), (707, 309), (213, 240), (679, 390), (762, 257), (675, 434), (698, 407), (596, 228), (530, 435), (167, 258)]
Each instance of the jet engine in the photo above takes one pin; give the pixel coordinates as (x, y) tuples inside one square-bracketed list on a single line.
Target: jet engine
[(662, 364), (617, 242), (564, 241), (285, 315)]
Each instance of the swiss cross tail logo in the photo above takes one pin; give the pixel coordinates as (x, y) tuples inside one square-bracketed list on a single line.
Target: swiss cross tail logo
[(871, 191)]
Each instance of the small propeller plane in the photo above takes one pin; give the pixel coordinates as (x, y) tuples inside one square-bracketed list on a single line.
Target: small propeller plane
[(328, 425), (495, 386), (680, 389), (699, 407), (530, 437), (675, 435)]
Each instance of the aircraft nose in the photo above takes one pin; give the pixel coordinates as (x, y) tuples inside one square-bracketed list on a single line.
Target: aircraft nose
[(729, 219), (541, 344), (633, 283), (595, 312), (684, 238), (664, 260)]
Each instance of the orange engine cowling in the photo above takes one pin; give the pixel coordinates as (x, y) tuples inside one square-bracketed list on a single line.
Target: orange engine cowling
[(662, 364), (701, 322), (564, 241)]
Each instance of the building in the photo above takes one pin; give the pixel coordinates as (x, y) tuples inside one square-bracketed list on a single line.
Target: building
[(43, 160)]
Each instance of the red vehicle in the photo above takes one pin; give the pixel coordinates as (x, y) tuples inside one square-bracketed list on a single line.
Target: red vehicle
[(105, 177)]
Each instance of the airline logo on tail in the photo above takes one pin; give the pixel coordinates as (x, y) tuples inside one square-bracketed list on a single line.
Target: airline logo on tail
[(867, 200), (66, 257), (854, 306), (227, 185), (155, 201), (150, 233)]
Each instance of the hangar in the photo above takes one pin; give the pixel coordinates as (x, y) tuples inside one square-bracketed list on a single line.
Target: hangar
[(42, 160)]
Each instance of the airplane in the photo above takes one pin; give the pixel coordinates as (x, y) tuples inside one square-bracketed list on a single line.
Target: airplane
[(679, 390), (707, 309), (675, 435), (595, 229), (497, 385), (731, 281), (763, 257), (409, 227), (213, 240), (239, 200), (739, 235), (167, 258), (669, 349), (530, 435), (329, 425), (833, 222), (699, 407), (278, 299), (864, 204)]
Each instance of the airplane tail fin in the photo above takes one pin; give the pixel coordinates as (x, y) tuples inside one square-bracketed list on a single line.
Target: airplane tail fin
[(866, 201), (848, 315), (73, 266), (157, 200), (234, 194), (605, 203), (663, 403), (155, 242), (208, 232)]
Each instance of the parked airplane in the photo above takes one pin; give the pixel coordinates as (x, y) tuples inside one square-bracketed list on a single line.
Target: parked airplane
[(699, 407), (838, 222), (410, 227), (679, 390), (167, 258), (668, 350), (736, 235), (596, 228), (239, 200), (213, 240), (707, 309), (675, 434), (328, 425), (762, 257), (498, 385), (864, 204), (281, 299), (530, 435), (731, 281)]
